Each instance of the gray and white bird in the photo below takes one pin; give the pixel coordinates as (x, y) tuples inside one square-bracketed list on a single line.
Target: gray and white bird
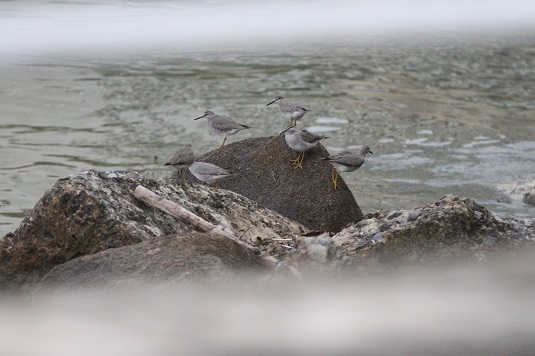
[(222, 125), (290, 110), (207, 172), (181, 160), (300, 141), (346, 161)]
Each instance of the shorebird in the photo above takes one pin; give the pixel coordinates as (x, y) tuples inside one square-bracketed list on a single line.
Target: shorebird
[(346, 161), (222, 125), (207, 172), (300, 141), (181, 160), (289, 109)]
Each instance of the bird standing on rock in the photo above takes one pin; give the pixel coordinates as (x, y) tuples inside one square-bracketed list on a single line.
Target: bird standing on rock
[(181, 160), (289, 109), (222, 125), (346, 161), (207, 172), (300, 141)]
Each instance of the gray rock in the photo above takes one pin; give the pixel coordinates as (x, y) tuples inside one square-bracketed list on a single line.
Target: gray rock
[(264, 174), (385, 226), (414, 215), (88, 213), (313, 254), (378, 237), (168, 260), (452, 228), (529, 198), (394, 215)]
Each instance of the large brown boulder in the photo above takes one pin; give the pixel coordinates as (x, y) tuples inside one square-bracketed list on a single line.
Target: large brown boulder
[(91, 212), (264, 174)]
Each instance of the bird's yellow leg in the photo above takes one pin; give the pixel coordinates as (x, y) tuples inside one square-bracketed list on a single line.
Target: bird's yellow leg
[(295, 162), (334, 177), (300, 163), (223, 142)]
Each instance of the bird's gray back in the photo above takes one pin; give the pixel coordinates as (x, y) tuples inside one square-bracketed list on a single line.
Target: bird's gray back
[(286, 105), (348, 158), (310, 137), (223, 123), (182, 156), (205, 168)]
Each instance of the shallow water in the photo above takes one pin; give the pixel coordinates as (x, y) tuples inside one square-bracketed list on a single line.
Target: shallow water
[(442, 115)]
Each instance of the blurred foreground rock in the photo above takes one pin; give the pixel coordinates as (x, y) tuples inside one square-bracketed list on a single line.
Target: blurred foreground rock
[(166, 260)]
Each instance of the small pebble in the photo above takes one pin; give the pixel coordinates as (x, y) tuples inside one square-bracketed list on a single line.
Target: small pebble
[(385, 226), (394, 215), (377, 237), (362, 223), (111, 174), (478, 214), (414, 215)]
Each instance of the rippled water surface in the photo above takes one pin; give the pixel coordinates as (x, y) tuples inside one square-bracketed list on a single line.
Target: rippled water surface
[(441, 115)]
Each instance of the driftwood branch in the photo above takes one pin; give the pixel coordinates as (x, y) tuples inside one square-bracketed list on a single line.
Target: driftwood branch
[(184, 215)]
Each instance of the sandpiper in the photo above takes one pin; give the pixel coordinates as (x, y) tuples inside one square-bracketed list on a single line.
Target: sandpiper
[(346, 161), (300, 141), (289, 109), (207, 172), (222, 125), (181, 160)]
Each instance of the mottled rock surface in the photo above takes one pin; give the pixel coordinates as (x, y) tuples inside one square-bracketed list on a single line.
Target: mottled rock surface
[(264, 174), (91, 212), (168, 260), (93, 229), (451, 229)]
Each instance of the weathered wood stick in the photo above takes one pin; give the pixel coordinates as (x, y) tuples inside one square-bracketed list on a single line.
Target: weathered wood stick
[(182, 214)]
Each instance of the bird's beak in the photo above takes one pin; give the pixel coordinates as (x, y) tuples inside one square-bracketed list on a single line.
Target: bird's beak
[(271, 102), (286, 129), (200, 117), (370, 152)]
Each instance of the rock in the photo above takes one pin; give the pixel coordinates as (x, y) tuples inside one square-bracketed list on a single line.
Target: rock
[(91, 212), (264, 174), (394, 215), (523, 190), (313, 254), (452, 228), (167, 260), (413, 215), (529, 198), (377, 237)]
